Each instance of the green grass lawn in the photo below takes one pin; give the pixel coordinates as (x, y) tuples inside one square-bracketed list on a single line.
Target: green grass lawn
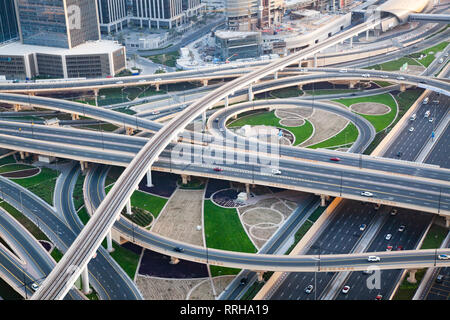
[(379, 122), (168, 59), (397, 64), (329, 91), (127, 259), (194, 184), (56, 254), (15, 167), (286, 92), (84, 215), (223, 230), (348, 135), (434, 237), (145, 201), (430, 53), (300, 233), (6, 160), (269, 119), (42, 185)]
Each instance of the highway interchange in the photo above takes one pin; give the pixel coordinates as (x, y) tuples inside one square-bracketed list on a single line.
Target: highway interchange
[(65, 145)]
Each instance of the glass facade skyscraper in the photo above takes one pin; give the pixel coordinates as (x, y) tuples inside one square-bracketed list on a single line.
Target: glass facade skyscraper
[(58, 23), (8, 21)]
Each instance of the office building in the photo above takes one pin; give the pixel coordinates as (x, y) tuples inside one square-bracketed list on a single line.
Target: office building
[(8, 22), (112, 14)]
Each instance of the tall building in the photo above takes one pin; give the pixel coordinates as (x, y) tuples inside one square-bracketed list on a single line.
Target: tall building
[(164, 14), (112, 14), (58, 23), (249, 15), (8, 21)]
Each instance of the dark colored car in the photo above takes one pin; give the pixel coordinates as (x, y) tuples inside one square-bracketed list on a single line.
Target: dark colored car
[(178, 249)]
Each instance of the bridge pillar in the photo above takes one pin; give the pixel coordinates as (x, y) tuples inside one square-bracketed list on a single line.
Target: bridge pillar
[(275, 75), (351, 43), (447, 222), (367, 35), (129, 212), (84, 165), (22, 155), (315, 60), (157, 86), (205, 82), (174, 260), (412, 276), (250, 92), (96, 96), (260, 276), (323, 199), (17, 108), (300, 87), (247, 189), (85, 281), (227, 102), (204, 121), (185, 178), (402, 87), (109, 241), (75, 116), (149, 179), (352, 84), (129, 131)]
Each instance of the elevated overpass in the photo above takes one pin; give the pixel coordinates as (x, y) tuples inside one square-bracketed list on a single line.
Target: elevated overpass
[(423, 17), (59, 281)]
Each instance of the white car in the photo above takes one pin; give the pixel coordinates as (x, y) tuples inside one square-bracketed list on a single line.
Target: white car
[(276, 171), (388, 236), (366, 75), (400, 78), (309, 289), (343, 70), (362, 227), (411, 129), (443, 257), (119, 82), (367, 194), (346, 289), (373, 259), (384, 76), (34, 286), (430, 120), (158, 79)]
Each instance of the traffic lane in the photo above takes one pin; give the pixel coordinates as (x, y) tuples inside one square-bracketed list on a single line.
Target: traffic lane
[(440, 153), (339, 236), (415, 225), (440, 291)]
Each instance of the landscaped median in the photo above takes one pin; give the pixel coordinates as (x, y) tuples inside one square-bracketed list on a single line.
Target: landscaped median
[(224, 231)]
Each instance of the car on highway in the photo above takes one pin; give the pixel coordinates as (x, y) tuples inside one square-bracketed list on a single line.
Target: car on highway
[(400, 78), (178, 249), (443, 257), (276, 171), (411, 129), (119, 82), (155, 112), (430, 120), (366, 75), (335, 159), (393, 212), (34, 286), (413, 117), (343, 70), (388, 236), (243, 281), (384, 76), (440, 278), (399, 154), (158, 79), (427, 113), (216, 120), (402, 228), (346, 289), (143, 80), (373, 259), (446, 54), (309, 289), (218, 169), (378, 297), (367, 194), (389, 248), (362, 227), (399, 248)]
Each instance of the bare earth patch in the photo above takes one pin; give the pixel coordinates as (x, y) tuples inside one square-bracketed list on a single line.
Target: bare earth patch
[(300, 112), (289, 122), (181, 216), (204, 291), (165, 289), (260, 215), (415, 70), (326, 125), (370, 108)]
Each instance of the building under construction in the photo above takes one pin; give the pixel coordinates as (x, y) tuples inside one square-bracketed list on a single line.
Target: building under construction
[(252, 15)]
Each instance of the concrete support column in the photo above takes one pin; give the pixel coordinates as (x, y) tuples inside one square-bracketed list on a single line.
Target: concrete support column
[(157, 86), (412, 276), (129, 207), (300, 87), (352, 84), (402, 87), (203, 121), (323, 200), (96, 96), (185, 178), (351, 43), (367, 35), (315, 60), (205, 82), (149, 179), (447, 222), (75, 116), (227, 102), (250, 93), (129, 131), (22, 155), (17, 108), (247, 189), (85, 281), (275, 75), (174, 260), (84, 165), (109, 241), (260, 276)]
